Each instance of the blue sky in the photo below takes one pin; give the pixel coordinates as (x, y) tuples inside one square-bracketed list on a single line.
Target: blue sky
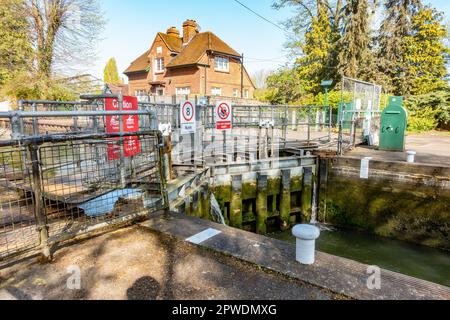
[(132, 25)]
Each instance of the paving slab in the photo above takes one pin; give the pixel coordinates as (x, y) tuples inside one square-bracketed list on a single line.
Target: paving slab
[(431, 148), (340, 275)]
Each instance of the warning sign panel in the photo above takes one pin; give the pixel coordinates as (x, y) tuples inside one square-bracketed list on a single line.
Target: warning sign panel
[(131, 145), (187, 110), (223, 115)]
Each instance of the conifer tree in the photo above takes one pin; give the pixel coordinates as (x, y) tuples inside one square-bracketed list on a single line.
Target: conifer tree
[(396, 26), (356, 58)]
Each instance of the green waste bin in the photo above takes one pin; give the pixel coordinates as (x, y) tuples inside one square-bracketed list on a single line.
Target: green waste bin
[(394, 121)]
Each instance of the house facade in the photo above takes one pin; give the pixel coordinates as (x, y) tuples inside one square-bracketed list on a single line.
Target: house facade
[(191, 63)]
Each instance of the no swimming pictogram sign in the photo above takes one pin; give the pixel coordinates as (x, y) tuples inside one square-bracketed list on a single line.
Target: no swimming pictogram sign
[(223, 112)]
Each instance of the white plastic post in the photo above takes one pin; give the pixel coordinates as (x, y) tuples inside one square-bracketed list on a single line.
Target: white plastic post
[(306, 242), (411, 156)]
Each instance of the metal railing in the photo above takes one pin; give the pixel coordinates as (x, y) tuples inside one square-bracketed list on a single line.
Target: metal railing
[(54, 187), (358, 127)]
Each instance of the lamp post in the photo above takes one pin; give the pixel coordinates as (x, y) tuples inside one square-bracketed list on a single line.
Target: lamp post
[(326, 84)]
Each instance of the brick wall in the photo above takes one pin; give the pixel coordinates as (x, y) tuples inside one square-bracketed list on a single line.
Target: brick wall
[(193, 76)]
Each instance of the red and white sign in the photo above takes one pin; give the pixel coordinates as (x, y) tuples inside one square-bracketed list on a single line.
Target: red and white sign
[(187, 110), (224, 115), (131, 145)]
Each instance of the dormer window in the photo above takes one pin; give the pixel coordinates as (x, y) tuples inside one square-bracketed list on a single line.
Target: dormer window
[(222, 64), (159, 65)]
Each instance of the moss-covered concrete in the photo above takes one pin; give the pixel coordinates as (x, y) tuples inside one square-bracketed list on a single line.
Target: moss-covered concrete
[(272, 202), (415, 213)]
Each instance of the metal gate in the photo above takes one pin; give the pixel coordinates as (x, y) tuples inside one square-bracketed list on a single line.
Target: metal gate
[(54, 187), (359, 114)]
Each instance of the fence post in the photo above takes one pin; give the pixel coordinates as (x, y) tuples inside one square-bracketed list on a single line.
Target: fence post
[(340, 135), (309, 125), (285, 125), (330, 124), (39, 209), (162, 169), (121, 144)]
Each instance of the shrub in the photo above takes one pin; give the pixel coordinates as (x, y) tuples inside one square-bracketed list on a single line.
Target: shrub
[(24, 86), (423, 119), (429, 111)]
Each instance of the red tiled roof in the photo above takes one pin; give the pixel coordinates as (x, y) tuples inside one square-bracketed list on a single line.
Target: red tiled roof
[(187, 55), (140, 64), (119, 87), (198, 46)]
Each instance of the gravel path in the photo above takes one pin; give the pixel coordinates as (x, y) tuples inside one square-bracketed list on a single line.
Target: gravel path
[(134, 263)]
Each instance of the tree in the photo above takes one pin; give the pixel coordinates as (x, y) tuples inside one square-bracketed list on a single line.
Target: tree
[(110, 73), (394, 28), (316, 27), (424, 54), (356, 58), (15, 48), (284, 86), (63, 33), (316, 62), (305, 13)]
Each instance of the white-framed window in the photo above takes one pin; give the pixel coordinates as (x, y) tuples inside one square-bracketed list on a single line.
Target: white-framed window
[(246, 93), (222, 64), (216, 91), (159, 65), (235, 93), (183, 91), (159, 91), (159, 50), (140, 92)]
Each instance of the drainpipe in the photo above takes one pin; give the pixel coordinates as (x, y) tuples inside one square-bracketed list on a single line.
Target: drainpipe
[(242, 76)]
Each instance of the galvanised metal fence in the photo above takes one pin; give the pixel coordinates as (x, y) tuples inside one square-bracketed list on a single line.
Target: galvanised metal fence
[(54, 187), (286, 126), (358, 127)]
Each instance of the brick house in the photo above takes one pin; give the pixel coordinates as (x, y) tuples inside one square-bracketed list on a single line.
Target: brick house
[(194, 63)]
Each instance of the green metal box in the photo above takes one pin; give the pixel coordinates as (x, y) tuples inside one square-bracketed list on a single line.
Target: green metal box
[(394, 121)]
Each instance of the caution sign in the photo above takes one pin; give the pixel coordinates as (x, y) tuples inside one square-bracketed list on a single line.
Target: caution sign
[(131, 145), (187, 110), (223, 115)]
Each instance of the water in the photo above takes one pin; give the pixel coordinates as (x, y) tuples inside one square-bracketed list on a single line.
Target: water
[(105, 204), (215, 210), (399, 256)]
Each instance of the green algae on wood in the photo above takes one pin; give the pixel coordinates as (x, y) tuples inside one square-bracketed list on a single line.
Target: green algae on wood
[(236, 202), (261, 205)]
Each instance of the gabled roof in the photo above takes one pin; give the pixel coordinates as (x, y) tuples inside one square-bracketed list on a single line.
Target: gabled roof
[(198, 46), (140, 64), (189, 54), (115, 88)]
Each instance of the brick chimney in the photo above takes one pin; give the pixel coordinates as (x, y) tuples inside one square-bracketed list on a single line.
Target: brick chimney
[(173, 32), (190, 29)]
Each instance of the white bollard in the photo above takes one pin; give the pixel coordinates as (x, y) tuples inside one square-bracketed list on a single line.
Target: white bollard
[(306, 235), (411, 156)]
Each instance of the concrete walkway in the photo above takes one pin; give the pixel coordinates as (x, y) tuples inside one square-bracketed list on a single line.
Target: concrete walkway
[(431, 148), (337, 274), (138, 264)]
